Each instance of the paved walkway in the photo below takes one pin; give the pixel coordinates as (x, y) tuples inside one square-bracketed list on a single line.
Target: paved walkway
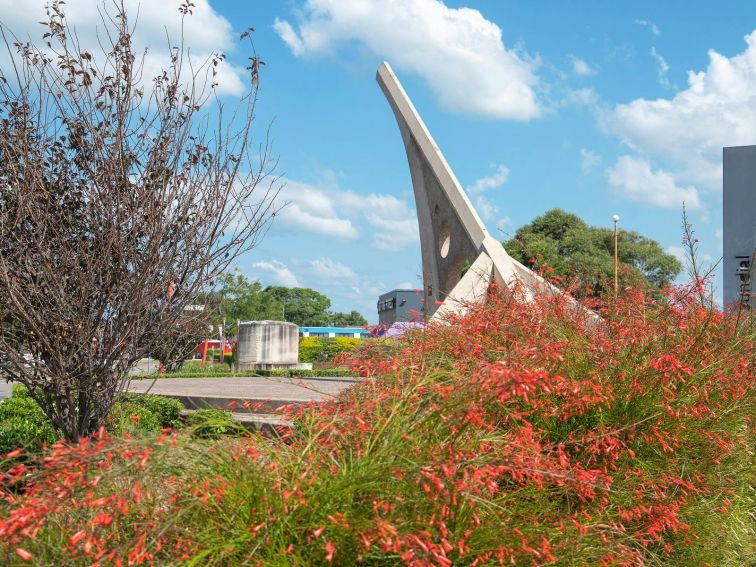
[(217, 392), (5, 389), (267, 392)]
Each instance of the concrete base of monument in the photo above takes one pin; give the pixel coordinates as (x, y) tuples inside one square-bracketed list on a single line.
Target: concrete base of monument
[(267, 345)]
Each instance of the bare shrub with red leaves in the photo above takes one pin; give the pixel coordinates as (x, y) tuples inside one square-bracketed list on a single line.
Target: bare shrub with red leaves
[(520, 434)]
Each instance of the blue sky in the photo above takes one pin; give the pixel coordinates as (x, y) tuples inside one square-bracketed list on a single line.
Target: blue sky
[(594, 107)]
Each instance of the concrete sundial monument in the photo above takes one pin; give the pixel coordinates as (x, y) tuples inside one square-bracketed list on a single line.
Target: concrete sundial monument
[(452, 235)]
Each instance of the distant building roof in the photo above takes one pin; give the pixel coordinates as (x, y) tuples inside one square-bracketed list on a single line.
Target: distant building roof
[(411, 290), (333, 330)]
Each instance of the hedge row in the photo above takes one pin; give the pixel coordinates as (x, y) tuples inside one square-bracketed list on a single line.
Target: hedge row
[(317, 349), (24, 424)]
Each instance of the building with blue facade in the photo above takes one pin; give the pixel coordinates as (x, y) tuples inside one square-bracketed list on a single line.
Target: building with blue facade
[(333, 332)]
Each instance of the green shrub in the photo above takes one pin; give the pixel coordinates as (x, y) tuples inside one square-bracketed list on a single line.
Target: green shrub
[(213, 423), (23, 423), (166, 410), (317, 349), (310, 348), (20, 391), (214, 371), (214, 354), (134, 419), (293, 373)]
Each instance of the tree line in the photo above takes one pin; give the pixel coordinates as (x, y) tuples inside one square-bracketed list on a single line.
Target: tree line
[(239, 299), (564, 245)]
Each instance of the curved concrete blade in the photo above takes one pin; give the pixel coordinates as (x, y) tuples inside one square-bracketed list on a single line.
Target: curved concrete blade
[(452, 236), (451, 232), (471, 289)]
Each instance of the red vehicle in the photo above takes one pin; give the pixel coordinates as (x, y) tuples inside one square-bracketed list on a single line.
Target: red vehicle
[(212, 344)]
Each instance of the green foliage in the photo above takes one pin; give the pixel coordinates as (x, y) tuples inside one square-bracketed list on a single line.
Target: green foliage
[(240, 299), (23, 423), (303, 306), (213, 423), (321, 373), (210, 371), (310, 349), (584, 254), (20, 391), (320, 349), (166, 410), (351, 319), (133, 419), (213, 354)]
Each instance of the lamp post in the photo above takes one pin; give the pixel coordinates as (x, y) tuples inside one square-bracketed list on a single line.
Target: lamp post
[(616, 219)]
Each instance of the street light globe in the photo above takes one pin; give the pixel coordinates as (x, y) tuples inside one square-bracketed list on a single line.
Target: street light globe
[(615, 218)]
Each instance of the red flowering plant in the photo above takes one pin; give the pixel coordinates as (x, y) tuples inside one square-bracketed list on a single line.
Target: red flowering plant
[(519, 433)]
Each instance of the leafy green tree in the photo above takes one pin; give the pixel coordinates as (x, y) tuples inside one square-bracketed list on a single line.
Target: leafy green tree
[(303, 306), (352, 319), (584, 254), (240, 299)]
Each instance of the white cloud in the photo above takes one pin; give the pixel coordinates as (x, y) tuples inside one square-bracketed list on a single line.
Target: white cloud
[(394, 234), (676, 251), (581, 67), (311, 209), (331, 211), (580, 97), (493, 181), (329, 269), (588, 160), (650, 25), (633, 179), (503, 225), (487, 209), (346, 288), (280, 273), (662, 68), (394, 223), (205, 32), (688, 131), (682, 255), (459, 53), (290, 37)]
